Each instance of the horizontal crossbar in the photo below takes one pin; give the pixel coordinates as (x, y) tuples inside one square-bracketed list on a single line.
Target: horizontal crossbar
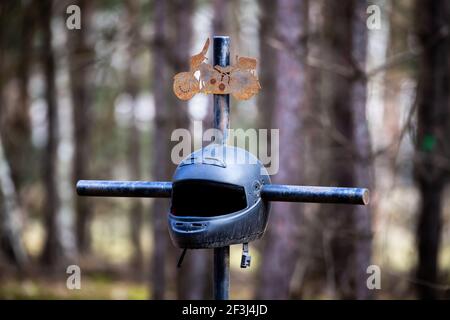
[(272, 192)]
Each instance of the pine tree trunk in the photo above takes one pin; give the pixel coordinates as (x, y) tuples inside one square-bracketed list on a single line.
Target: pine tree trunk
[(52, 253), (267, 75), (20, 127), (11, 245), (281, 247), (433, 115), (219, 23), (349, 226), (312, 278), (363, 166), (134, 154), (161, 154), (10, 211), (81, 57)]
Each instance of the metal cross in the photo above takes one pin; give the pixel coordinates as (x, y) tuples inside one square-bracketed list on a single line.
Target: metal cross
[(272, 192)]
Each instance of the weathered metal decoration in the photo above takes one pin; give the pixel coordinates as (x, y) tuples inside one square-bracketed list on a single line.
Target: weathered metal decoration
[(239, 80)]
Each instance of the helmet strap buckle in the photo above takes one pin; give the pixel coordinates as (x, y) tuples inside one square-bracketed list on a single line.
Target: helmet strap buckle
[(246, 258)]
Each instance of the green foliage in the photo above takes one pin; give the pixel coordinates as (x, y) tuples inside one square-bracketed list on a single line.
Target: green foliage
[(428, 143)]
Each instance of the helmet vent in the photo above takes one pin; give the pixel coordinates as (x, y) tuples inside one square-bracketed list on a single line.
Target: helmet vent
[(206, 198)]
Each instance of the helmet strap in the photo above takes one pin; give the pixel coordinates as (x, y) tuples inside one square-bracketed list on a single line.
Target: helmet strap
[(180, 260)]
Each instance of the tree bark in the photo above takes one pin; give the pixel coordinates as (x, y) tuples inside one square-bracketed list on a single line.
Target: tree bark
[(363, 167), (219, 23), (11, 246), (53, 251), (161, 156), (349, 226), (281, 247), (312, 277), (431, 159), (20, 131), (181, 48), (397, 42), (10, 227), (15, 130), (134, 154), (81, 56), (267, 75)]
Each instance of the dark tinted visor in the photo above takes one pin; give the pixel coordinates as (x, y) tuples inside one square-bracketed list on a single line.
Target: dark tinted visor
[(206, 198)]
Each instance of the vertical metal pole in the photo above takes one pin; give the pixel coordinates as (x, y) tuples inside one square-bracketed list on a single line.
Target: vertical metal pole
[(221, 101), (221, 273), (221, 122)]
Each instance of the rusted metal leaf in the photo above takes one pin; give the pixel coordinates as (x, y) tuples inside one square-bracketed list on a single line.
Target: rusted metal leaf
[(239, 80)]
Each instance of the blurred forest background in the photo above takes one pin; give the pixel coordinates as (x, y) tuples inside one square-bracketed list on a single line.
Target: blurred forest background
[(358, 103)]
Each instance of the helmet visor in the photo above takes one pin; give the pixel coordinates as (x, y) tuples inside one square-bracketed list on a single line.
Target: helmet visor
[(206, 198)]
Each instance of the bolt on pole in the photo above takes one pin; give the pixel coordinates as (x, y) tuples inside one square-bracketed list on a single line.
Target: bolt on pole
[(221, 57)]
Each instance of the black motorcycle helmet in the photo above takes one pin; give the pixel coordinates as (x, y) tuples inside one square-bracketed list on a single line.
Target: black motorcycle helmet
[(216, 198)]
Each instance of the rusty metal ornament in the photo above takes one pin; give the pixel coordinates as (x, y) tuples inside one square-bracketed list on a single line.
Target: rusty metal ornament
[(239, 80)]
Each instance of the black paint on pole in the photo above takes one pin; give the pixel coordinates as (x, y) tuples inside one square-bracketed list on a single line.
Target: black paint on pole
[(108, 188), (272, 192), (221, 273), (221, 101), (280, 192), (221, 57)]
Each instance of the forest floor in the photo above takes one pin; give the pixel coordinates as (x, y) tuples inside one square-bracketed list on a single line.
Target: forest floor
[(119, 285), (92, 288), (103, 282), (108, 273)]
